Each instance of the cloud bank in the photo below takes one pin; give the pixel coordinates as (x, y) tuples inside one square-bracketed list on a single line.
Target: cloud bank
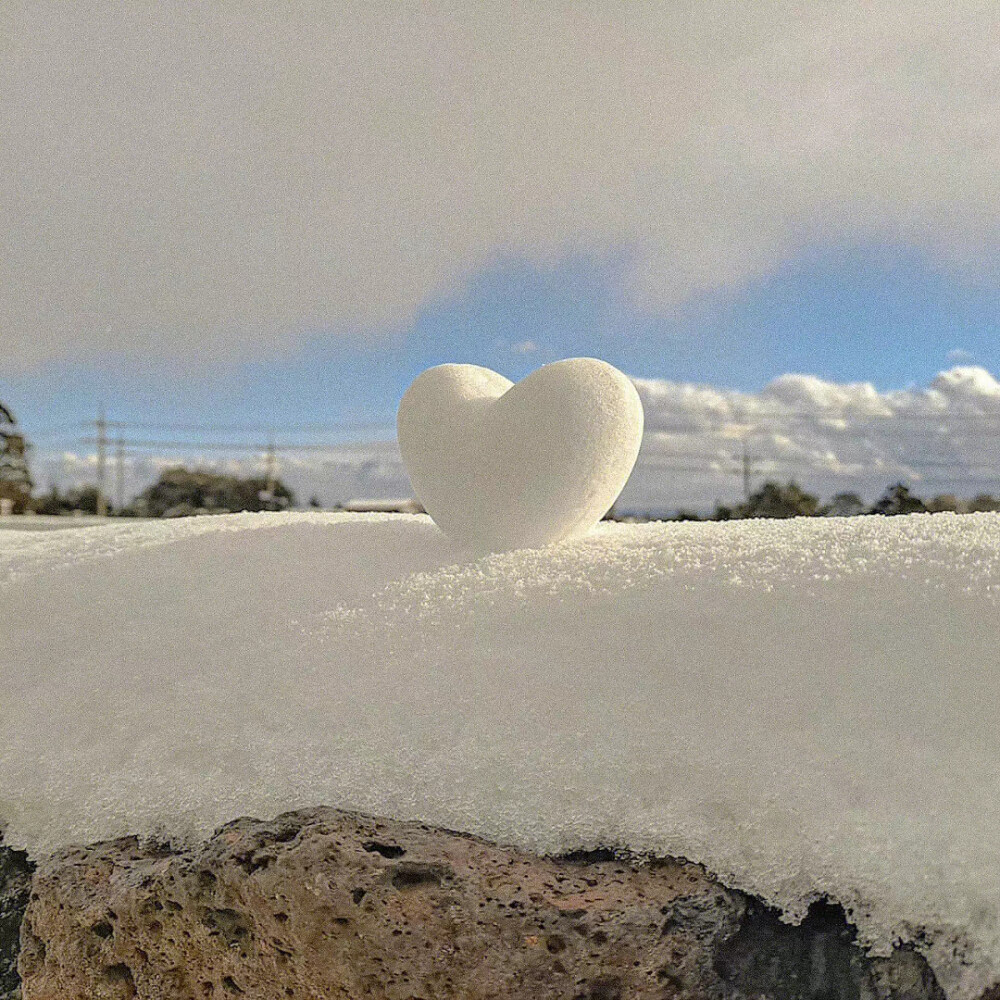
[(830, 437), (197, 181)]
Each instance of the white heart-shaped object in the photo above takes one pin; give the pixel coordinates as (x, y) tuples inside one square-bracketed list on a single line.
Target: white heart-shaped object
[(503, 466)]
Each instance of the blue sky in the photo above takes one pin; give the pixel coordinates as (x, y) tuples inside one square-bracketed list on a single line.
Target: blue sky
[(884, 315), (265, 219)]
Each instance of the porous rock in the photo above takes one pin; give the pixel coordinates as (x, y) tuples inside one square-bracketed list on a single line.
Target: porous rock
[(15, 887), (323, 904)]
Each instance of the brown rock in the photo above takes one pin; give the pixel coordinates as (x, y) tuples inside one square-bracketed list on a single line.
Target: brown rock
[(324, 904), (15, 887)]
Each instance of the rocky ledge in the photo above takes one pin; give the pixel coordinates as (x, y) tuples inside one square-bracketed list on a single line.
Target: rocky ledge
[(15, 888), (323, 904)]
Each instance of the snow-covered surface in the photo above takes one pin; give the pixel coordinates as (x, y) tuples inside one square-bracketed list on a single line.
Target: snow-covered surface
[(48, 522), (501, 466), (806, 707)]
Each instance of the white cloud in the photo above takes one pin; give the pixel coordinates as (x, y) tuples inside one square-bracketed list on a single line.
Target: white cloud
[(524, 347), (830, 437), (194, 181)]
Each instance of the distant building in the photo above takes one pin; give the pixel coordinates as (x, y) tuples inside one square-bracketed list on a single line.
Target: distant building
[(15, 480), (408, 506)]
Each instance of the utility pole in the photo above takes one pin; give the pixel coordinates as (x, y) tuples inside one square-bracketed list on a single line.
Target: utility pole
[(270, 466), (120, 474), (102, 444), (746, 466)]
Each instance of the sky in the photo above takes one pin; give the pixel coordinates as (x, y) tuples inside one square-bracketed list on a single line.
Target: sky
[(268, 225)]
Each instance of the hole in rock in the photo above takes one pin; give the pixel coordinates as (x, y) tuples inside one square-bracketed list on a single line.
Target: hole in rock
[(386, 850)]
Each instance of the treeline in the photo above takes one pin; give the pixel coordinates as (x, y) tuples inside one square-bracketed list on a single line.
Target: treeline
[(177, 493), (180, 491), (790, 500)]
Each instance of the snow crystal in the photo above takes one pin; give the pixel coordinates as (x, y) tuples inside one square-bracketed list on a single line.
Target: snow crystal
[(807, 707)]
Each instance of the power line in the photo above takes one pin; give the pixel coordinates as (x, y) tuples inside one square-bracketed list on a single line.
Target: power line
[(250, 446), (820, 416), (193, 445), (712, 417), (740, 461), (269, 428)]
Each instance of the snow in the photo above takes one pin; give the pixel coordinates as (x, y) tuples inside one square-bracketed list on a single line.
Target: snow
[(804, 706), (503, 466)]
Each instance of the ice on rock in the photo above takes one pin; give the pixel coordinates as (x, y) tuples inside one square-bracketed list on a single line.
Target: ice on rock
[(807, 707), (503, 466)]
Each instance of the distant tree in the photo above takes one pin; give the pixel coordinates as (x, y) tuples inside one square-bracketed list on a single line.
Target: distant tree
[(723, 512), (898, 500), (983, 502), (83, 499), (314, 502), (15, 479), (775, 500), (945, 502), (180, 491), (686, 515), (80, 498), (843, 505), (52, 502)]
